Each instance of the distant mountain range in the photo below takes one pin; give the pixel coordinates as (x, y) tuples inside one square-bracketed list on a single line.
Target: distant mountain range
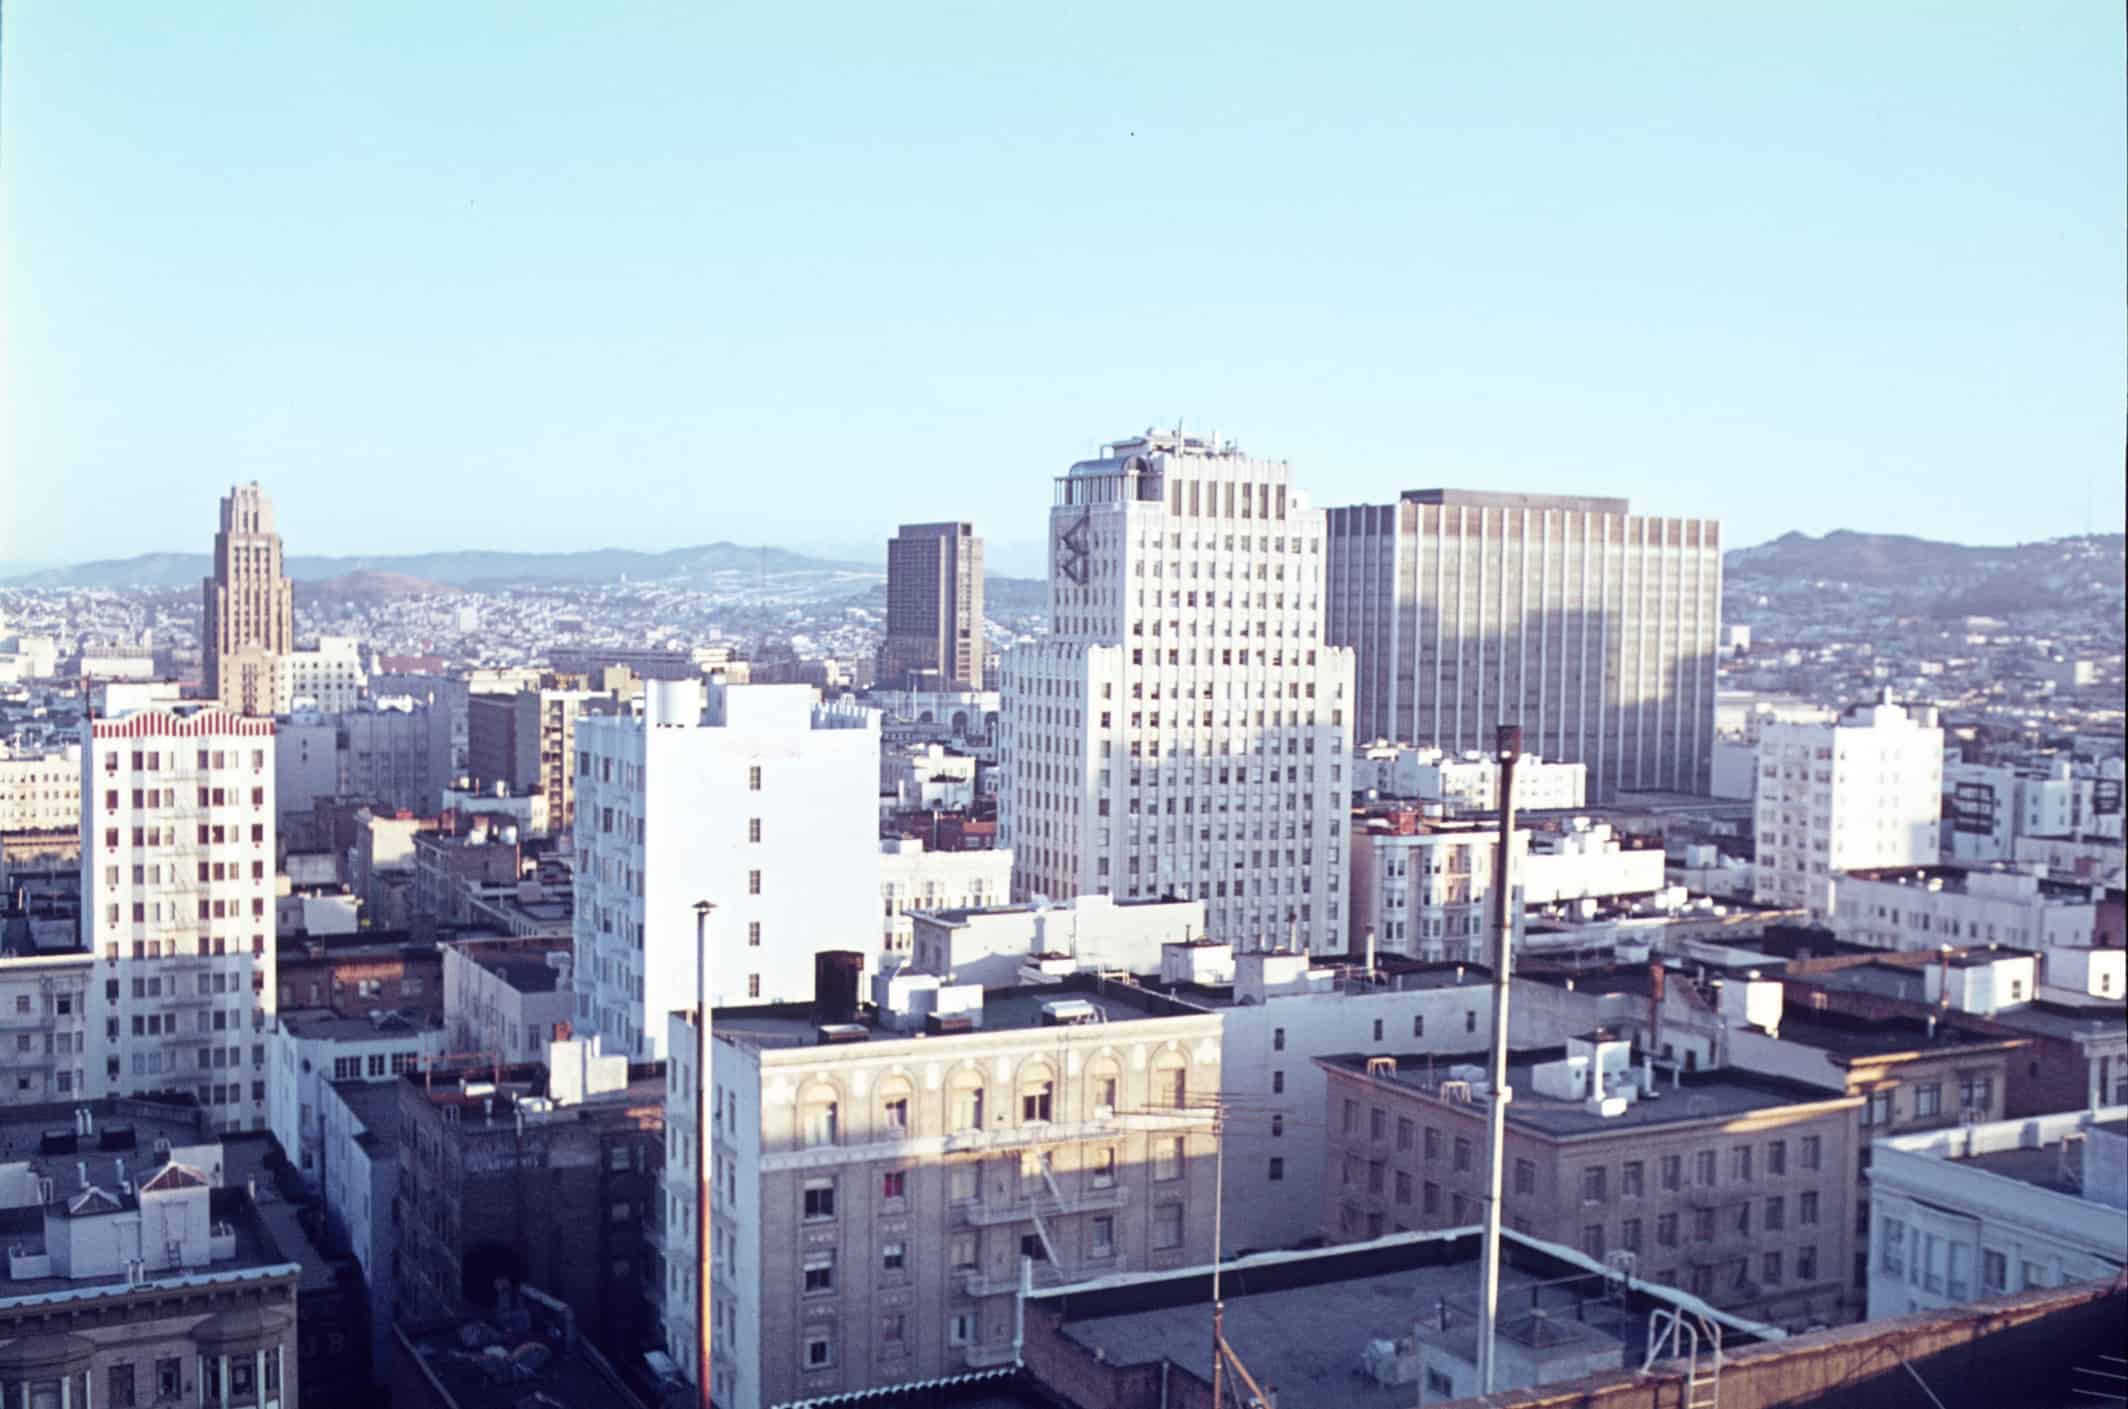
[(476, 568), (1946, 579)]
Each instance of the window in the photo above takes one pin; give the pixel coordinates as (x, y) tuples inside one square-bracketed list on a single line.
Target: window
[(753, 934), (1770, 1269), (1278, 1039), (753, 985), (966, 1102), (1101, 1235), (1433, 1144), (1776, 1158), (1594, 1180), (1525, 1177), (753, 779), (1632, 1179), (753, 829), (1035, 1096), (1102, 1170), (1673, 1172), (1167, 1225), (1629, 1235), (961, 1252), (1928, 1099), (894, 1114), (1740, 1163), (819, 1272), (1812, 1147), (1592, 1239), (893, 1260), (1776, 1214), (819, 1199), (819, 1347), (1891, 1245), (894, 1185), (1167, 1158), (753, 882), (1405, 1133), (1807, 1209), (169, 1377), (1994, 1272), (1878, 1110), (1976, 1092), (818, 1121), (1377, 1123), (1278, 1170), (1703, 1225), (1350, 1119), (1666, 1230), (1278, 1083), (1806, 1263), (893, 1332), (1430, 1196), (962, 1328), (1462, 1153), (1705, 1163)]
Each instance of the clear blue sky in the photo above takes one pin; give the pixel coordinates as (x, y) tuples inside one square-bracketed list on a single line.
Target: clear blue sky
[(454, 275)]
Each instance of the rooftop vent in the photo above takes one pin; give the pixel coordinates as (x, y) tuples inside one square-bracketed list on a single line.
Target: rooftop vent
[(834, 1033)]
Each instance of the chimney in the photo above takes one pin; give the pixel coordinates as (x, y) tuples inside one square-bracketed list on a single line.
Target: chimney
[(1656, 981), (835, 976)]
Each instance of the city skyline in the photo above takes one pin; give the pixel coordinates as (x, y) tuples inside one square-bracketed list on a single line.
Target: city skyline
[(1845, 272)]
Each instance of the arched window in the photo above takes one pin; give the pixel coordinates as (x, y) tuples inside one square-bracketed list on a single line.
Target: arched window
[(1104, 1087), (819, 1116), (1170, 1080), (964, 1101), (895, 1098), (1038, 1092)]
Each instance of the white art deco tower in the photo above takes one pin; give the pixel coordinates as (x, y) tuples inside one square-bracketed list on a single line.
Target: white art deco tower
[(1184, 731)]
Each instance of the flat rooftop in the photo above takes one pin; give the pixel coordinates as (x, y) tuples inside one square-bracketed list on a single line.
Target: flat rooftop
[(1302, 1320), (1004, 1010), (1395, 975), (376, 1105), (256, 1248), (1957, 880), (1697, 1095), (325, 1025), (2066, 1021), (1856, 1037), (2040, 1166), (120, 1129), (480, 1365), (962, 914), (244, 1162), (1495, 499)]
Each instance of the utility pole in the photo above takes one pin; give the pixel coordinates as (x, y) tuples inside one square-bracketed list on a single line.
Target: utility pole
[(704, 1305), (1219, 1306), (1509, 747)]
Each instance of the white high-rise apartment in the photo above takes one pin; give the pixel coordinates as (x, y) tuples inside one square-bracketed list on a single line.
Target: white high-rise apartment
[(755, 799), (1592, 627), (1863, 792), (40, 791), (1184, 731), (177, 892)]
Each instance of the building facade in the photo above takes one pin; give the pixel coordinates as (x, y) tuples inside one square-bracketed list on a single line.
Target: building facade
[(934, 636), (1736, 1187), (877, 1202), (40, 792), (1185, 730), (913, 879), (1593, 628), (249, 605), (753, 798), (1927, 906), (177, 888), (1865, 791), (1424, 889)]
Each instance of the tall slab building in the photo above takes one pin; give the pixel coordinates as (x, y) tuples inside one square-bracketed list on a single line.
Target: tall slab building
[(250, 608), (1185, 730), (934, 637), (1592, 627)]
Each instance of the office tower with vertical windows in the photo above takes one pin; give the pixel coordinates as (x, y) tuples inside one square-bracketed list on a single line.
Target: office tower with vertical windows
[(177, 890), (250, 608), (934, 634), (1593, 628), (1184, 730), (754, 798)]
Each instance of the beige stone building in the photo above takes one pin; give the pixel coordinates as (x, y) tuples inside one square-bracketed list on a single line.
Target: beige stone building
[(885, 1176), (249, 607), (1734, 1186)]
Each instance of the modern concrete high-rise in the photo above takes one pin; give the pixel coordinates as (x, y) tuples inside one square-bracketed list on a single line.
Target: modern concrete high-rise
[(250, 607), (1593, 628), (1862, 793), (934, 608), (1184, 730), (753, 797), (177, 886)]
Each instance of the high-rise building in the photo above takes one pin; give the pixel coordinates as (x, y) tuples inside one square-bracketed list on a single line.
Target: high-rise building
[(1593, 628), (757, 800), (934, 608), (1862, 793), (177, 898), (528, 741), (250, 607), (1184, 730)]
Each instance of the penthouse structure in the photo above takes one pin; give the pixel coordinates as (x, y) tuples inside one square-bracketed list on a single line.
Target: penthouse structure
[(886, 1178), (751, 797), (1593, 628), (1185, 728), (249, 607), (1735, 1186)]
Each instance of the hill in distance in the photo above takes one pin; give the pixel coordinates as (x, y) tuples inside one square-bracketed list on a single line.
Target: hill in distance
[(459, 569), (1947, 579)]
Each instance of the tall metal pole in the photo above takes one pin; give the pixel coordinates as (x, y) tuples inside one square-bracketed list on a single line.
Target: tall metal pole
[(1509, 746), (1219, 1306), (704, 1305)]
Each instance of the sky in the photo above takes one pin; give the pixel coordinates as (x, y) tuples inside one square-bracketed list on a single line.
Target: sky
[(566, 276)]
